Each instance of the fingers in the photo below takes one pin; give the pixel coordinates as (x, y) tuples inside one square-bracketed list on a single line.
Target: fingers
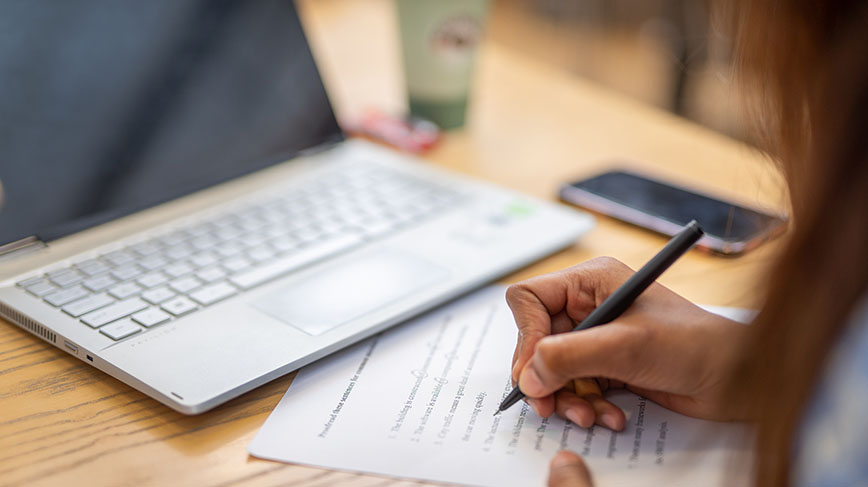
[(614, 351), (568, 470), (560, 323), (554, 303), (532, 316), (544, 406), (588, 410), (576, 409)]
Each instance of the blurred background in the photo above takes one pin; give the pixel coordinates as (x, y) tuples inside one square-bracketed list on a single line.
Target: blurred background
[(668, 53)]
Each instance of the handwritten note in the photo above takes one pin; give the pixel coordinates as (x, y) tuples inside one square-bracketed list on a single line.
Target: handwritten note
[(418, 401)]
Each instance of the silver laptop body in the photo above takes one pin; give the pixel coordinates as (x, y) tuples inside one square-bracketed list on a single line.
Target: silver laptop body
[(206, 294)]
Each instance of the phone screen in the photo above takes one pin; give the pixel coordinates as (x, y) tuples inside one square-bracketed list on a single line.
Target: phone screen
[(718, 218)]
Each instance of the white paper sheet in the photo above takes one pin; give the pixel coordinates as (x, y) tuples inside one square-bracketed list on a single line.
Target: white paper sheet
[(418, 401)]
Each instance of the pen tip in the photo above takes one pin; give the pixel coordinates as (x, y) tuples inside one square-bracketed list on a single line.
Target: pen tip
[(497, 412)]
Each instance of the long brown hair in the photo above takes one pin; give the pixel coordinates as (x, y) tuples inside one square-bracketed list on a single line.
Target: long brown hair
[(805, 65)]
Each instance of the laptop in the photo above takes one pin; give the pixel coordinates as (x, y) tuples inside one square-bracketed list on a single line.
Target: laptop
[(181, 210)]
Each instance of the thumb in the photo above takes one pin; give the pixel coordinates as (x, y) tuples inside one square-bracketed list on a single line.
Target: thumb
[(568, 470)]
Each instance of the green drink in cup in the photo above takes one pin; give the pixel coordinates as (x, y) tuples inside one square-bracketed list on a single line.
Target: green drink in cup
[(440, 39)]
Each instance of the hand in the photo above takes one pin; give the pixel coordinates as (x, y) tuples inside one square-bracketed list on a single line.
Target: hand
[(663, 347), (568, 470)]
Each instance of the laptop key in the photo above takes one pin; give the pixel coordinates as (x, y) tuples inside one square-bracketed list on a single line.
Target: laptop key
[(179, 251), (212, 274), (99, 283), (178, 269), (229, 233), (93, 267), (204, 242), (113, 312), (126, 272), (260, 253), (151, 317), (67, 295), (308, 234), (199, 230), (153, 262), (120, 329), (172, 239), (277, 230), (290, 262), (88, 304), (65, 278), (30, 282), (273, 216), (284, 243), (252, 239), (229, 249), (158, 295), (179, 306), (252, 224), (222, 222), (153, 279), (119, 258), (203, 259), (213, 293), (125, 290), (185, 284), (41, 289), (145, 248), (236, 264)]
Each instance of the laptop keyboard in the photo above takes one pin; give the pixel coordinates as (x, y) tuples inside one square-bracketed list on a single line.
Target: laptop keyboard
[(149, 283)]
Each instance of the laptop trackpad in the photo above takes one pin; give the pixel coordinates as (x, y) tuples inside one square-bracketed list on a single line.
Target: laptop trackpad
[(339, 293)]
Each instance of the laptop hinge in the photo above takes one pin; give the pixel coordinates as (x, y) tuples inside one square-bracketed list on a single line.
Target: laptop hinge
[(24, 246), (328, 144)]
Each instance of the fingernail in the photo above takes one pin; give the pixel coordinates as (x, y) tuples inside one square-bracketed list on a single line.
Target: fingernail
[(530, 383), (562, 461), (573, 415), (609, 421), (533, 404)]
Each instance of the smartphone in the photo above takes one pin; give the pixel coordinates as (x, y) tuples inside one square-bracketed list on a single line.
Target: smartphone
[(730, 229)]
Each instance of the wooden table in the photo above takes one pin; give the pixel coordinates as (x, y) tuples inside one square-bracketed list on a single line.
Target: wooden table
[(531, 127)]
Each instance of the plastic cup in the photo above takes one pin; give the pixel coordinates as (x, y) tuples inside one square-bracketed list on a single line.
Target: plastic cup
[(440, 40)]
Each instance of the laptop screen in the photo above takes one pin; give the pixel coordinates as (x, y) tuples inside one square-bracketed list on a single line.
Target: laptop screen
[(111, 106)]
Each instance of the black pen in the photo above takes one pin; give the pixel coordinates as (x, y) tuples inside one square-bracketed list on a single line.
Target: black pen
[(624, 296)]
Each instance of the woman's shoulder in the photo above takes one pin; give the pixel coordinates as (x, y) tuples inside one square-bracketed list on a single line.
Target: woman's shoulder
[(832, 447)]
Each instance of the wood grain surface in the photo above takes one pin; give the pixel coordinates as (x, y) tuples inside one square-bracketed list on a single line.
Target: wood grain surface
[(531, 127)]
